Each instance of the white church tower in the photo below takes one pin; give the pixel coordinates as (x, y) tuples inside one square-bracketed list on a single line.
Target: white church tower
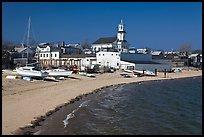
[(121, 31), (122, 44)]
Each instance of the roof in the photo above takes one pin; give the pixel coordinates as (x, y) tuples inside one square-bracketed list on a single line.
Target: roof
[(42, 46), (193, 55), (54, 49), (77, 55), (105, 40), (155, 53), (20, 49), (73, 46), (142, 62)]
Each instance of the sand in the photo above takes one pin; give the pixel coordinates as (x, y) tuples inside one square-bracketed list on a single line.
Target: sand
[(24, 101)]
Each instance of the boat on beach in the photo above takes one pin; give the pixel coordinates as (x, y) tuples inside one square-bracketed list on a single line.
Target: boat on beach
[(58, 72), (149, 73), (82, 73), (145, 73), (31, 71), (87, 74)]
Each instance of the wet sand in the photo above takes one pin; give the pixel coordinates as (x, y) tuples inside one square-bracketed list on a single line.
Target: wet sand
[(24, 101)]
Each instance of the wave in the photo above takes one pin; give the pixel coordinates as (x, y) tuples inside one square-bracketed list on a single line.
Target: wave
[(71, 115)]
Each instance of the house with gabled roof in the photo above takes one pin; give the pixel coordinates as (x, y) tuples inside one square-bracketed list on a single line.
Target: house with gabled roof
[(157, 55), (22, 56), (107, 43)]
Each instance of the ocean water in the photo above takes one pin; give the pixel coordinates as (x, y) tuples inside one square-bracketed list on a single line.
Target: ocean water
[(166, 107)]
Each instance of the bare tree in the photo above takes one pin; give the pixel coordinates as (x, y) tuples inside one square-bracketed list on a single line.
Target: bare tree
[(185, 48), (199, 51), (7, 45), (85, 44)]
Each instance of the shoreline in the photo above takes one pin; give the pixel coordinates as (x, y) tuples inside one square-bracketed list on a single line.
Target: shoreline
[(31, 129), (95, 86)]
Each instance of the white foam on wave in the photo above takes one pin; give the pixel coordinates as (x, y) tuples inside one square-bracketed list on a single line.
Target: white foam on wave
[(71, 115), (84, 103)]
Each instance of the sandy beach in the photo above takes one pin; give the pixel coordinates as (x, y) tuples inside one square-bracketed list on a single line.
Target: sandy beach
[(24, 101)]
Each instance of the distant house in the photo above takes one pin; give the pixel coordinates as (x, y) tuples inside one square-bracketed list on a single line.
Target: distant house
[(195, 60), (72, 49), (85, 60), (22, 56), (48, 54), (132, 50), (87, 51), (104, 44), (178, 59), (143, 51), (68, 55), (157, 55)]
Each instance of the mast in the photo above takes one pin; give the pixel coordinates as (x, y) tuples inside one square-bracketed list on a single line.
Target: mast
[(28, 39)]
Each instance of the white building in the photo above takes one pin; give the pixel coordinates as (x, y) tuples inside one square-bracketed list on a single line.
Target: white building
[(196, 59), (119, 43), (108, 59), (48, 54), (132, 61), (45, 52), (132, 50), (143, 51), (81, 60)]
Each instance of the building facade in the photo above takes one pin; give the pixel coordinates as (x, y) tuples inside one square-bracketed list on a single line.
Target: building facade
[(107, 43), (108, 59)]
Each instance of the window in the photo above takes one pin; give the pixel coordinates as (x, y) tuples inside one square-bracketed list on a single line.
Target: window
[(112, 54), (43, 55), (51, 54), (55, 55), (116, 54), (87, 60), (47, 55), (40, 55), (103, 54), (99, 54)]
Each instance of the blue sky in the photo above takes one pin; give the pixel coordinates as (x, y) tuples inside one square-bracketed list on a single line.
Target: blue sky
[(157, 25)]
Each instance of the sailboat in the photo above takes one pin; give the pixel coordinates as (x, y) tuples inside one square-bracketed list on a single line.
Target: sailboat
[(30, 71)]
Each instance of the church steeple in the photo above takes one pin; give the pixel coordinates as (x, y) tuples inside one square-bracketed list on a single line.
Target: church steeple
[(121, 31)]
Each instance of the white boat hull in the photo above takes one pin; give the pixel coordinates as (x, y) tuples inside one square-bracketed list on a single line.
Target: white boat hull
[(146, 73), (59, 73), (31, 73)]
